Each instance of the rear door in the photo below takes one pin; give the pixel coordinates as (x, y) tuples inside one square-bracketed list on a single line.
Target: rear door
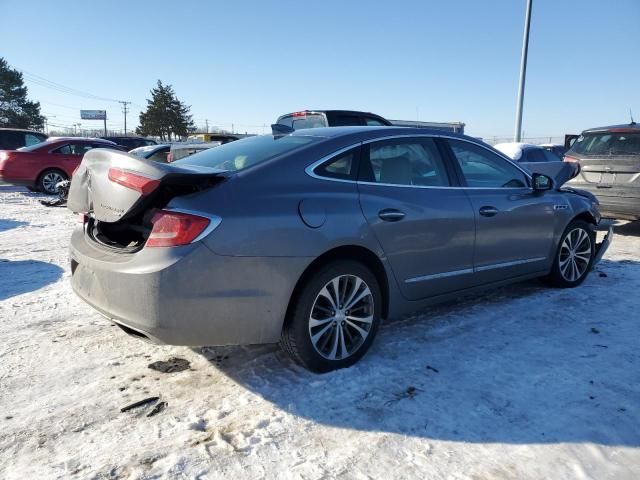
[(424, 225), (514, 225)]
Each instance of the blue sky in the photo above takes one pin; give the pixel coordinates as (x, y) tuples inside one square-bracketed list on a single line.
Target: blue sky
[(247, 62)]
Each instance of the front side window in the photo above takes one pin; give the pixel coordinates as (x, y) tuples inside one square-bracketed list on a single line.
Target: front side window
[(410, 161), (74, 149), (483, 168)]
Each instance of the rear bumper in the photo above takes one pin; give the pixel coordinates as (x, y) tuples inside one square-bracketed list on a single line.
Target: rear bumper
[(622, 205), (186, 295)]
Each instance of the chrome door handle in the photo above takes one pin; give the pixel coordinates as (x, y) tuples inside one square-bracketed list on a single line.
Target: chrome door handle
[(488, 211), (391, 215)]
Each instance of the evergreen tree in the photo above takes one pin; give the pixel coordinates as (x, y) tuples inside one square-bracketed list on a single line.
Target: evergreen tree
[(15, 109), (165, 116)]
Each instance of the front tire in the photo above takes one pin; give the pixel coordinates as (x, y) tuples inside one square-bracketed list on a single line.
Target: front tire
[(334, 317), (49, 179), (574, 257)]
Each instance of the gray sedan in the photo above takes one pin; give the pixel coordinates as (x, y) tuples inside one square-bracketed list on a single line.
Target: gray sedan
[(312, 238)]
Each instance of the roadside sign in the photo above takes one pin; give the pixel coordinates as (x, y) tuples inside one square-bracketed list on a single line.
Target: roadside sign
[(93, 114)]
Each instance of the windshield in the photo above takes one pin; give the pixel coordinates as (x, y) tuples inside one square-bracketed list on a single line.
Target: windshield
[(298, 121), (245, 153), (607, 143)]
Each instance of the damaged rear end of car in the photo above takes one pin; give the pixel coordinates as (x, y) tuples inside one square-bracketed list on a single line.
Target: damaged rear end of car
[(130, 237)]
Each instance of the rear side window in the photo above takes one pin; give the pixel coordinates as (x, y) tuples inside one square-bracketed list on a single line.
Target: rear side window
[(408, 161), (342, 166), (346, 121), (372, 122), (607, 143), (250, 151), (482, 168)]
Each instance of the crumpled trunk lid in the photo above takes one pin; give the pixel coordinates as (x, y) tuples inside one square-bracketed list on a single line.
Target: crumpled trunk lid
[(112, 186), (560, 172)]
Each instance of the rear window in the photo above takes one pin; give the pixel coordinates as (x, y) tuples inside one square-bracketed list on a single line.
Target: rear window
[(607, 143), (298, 122), (245, 153)]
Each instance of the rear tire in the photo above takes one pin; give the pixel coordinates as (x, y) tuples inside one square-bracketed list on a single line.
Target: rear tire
[(334, 317), (48, 180), (574, 256)]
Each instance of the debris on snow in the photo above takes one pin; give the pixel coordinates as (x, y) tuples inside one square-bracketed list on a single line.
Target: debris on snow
[(157, 409), (174, 364), (139, 403)]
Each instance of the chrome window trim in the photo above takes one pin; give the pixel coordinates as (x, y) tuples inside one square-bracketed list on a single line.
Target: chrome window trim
[(214, 221), (465, 271), (309, 170)]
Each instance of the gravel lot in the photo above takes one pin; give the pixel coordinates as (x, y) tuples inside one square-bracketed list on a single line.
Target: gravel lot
[(523, 382)]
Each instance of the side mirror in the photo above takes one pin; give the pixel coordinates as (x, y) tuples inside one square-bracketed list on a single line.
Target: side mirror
[(541, 182)]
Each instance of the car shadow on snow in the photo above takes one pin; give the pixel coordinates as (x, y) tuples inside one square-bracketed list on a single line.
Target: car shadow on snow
[(23, 276), (522, 364), (631, 229), (9, 224)]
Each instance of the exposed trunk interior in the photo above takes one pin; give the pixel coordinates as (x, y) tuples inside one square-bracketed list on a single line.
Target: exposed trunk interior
[(130, 234)]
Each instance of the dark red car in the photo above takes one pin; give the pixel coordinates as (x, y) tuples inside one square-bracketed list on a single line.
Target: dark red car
[(44, 165)]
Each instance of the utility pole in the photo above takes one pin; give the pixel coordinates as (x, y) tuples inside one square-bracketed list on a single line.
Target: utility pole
[(523, 72), (125, 110)]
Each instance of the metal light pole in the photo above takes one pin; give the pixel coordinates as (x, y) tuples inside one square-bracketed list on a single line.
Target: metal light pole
[(523, 72)]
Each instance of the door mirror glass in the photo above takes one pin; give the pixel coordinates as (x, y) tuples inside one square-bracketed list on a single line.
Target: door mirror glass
[(541, 182)]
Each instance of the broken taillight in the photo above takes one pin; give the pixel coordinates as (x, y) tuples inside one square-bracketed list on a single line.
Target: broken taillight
[(171, 229), (134, 181)]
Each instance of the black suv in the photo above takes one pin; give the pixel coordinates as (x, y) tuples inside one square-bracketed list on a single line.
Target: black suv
[(131, 142), (14, 138), (609, 159), (330, 118)]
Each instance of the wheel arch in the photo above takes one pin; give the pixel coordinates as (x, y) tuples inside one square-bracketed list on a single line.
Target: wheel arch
[(346, 252), (585, 216)]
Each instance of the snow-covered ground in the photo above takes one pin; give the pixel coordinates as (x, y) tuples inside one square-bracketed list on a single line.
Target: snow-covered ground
[(523, 382)]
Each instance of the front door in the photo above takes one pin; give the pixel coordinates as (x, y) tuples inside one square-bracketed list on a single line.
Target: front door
[(425, 227), (514, 225)]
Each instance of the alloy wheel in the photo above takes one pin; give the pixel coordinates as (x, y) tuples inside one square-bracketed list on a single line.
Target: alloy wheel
[(50, 180), (575, 254), (341, 317)]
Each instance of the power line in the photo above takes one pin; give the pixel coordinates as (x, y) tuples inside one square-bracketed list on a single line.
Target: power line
[(38, 80)]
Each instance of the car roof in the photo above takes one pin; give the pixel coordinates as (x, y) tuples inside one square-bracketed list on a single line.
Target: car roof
[(631, 127), (81, 139), (377, 131)]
